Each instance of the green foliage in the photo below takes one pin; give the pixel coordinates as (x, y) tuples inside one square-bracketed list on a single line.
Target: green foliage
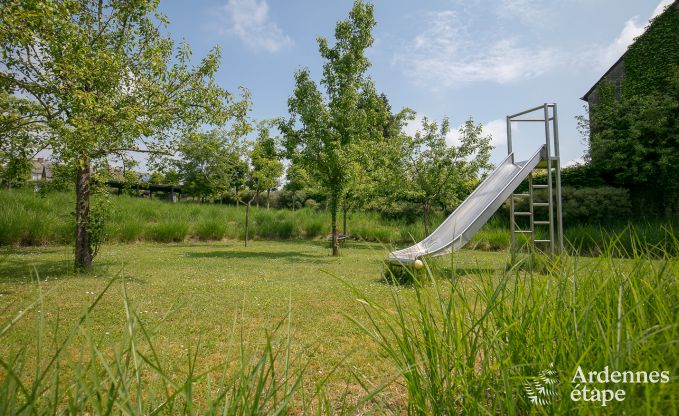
[(468, 345), (654, 56), (603, 205), (267, 167), (635, 131), (22, 136), (27, 219), (325, 133), (102, 75), (438, 174), (208, 162), (63, 179), (635, 143), (576, 176)]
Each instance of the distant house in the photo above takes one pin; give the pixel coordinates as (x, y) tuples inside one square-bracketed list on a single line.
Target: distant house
[(615, 75), (41, 170)]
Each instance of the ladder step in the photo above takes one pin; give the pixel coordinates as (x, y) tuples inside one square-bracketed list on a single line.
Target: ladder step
[(540, 204), (540, 186), (523, 231), (541, 222), (542, 241), (517, 213), (521, 195)]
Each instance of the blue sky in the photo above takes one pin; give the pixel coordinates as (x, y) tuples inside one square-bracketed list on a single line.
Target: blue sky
[(455, 58)]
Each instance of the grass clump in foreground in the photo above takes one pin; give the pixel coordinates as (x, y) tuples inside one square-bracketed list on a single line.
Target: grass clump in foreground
[(468, 344), (478, 344), (131, 379)]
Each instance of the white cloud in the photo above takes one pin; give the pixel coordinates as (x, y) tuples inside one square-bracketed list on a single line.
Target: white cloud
[(496, 128), (445, 54), (574, 162), (661, 7), (249, 21), (612, 52)]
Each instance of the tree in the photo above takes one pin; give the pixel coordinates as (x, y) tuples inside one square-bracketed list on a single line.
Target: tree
[(372, 166), (296, 181), (441, 174), (106, 79), (206, 163), (267, 167), (324, 133), (22, 137), (263, 169)]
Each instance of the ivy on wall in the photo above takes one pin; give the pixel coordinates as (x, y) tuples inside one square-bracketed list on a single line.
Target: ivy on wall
[(649, 62), (634, 140)]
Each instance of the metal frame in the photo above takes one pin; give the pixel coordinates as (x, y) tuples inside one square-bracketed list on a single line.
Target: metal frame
[(553, 166)]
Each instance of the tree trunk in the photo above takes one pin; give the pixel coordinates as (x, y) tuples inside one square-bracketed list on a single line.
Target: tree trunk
[(344, 219), (333, 211), (83, 256), (247, 218), (268, 191)]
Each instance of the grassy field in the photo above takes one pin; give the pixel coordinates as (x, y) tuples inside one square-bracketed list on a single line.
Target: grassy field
[(194, 292), (26, 219), (183, 315)]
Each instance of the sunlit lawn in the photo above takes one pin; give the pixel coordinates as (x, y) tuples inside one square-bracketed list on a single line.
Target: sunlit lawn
[(198, 293)]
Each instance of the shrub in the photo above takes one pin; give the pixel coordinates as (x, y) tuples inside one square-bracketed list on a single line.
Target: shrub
[(314, 227), (169, 232), (211, 230), (602, 205)]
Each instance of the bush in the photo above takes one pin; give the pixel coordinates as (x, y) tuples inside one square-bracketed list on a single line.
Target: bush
[(600, 205), (310, 203), (314, 227), (170, 232), (211, 230)]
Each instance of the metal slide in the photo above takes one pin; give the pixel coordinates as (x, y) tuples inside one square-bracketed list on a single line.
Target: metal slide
[(476, 210)]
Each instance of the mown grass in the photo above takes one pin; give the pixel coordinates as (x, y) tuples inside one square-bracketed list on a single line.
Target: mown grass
[(26, 219), (282, 327)]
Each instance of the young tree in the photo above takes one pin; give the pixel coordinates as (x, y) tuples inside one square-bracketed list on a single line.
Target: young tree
[(297, 180), (324, 133), (206, 163), (106, 80), (267, 167), (263, 170), (439, 173)]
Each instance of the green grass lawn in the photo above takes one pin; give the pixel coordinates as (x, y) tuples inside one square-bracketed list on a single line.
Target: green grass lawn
[(472, 339), (204, 287)]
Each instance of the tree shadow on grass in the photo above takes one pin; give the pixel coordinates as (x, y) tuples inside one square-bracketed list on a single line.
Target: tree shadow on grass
[(288, 256), (403, 278), (16, 269)]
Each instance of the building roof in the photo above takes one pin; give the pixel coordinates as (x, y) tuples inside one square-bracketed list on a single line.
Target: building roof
[(603, 77), (586, 96)]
